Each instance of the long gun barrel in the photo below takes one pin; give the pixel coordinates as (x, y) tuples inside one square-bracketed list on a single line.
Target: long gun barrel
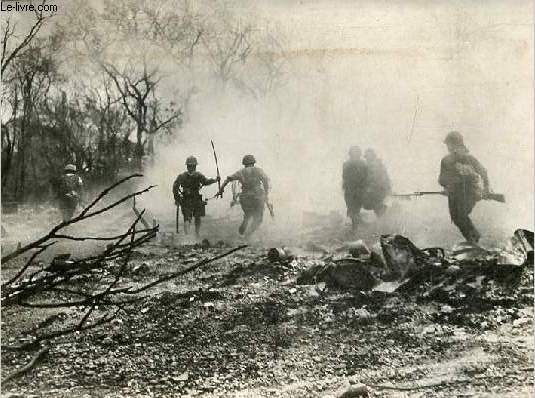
[(497, 197)]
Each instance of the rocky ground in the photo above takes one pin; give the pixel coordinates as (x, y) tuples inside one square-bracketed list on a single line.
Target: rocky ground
[(245, 326)]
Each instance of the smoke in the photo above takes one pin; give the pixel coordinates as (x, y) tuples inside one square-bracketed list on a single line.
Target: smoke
[(397, 91)]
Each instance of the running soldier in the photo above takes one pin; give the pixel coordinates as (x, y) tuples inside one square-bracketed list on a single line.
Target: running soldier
[(465, 181), (354, 184), (186, 193), (254, 194), (378, 186), (70, 192)]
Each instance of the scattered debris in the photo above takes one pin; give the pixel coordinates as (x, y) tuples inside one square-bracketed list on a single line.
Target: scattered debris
[(276, 254), (347, 273)]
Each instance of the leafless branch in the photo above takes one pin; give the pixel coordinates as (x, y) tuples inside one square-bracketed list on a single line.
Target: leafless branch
[(34, 30), (85, 214), (39, 355)]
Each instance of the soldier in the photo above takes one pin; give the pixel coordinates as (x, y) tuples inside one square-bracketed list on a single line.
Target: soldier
[(70, 192), (465, 181), (354, 183), (254, 195), (379, 186), (186, 193)]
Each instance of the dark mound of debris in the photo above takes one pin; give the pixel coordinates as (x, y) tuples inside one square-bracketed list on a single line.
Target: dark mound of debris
[(467, 274)]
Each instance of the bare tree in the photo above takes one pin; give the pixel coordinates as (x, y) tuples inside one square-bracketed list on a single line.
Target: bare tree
[(137, 94), (11, 52)]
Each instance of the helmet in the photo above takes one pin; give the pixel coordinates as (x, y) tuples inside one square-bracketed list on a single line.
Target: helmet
[(70, 167), (454, 138), (248, 159), (191, 161), (355, 150), (370, 154)]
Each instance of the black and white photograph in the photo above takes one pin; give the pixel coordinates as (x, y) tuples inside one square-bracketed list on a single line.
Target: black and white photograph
[(267, 198)]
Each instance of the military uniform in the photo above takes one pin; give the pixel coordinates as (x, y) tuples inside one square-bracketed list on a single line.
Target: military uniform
[(378, 186), (255, 187), (354, 183), (70, 191), (465, 181), (190, 199), (186, 193)]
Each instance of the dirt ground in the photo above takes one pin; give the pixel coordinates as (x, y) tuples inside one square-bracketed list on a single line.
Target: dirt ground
[(243, 327)]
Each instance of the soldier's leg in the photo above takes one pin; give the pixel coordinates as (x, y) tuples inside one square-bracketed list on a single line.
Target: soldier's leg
[(258, 217), (459, 212), (186, 212), (197, 226), (355, 218), (380, 208), (471, 233), (67, 212), (245, 222), (245, 202), (198, 213), (186, 226)]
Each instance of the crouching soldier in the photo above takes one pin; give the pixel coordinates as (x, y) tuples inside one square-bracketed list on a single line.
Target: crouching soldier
[(254, 195), (186, 193), (70, 192), (465, 181)]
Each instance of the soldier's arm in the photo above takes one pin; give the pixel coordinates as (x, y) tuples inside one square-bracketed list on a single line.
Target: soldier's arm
[(265, 181), (207, 181), (444, 178), (482, 171), (176, 189), (229, 179), (344, 176)]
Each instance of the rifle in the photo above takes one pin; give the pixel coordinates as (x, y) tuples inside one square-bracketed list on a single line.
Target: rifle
[(498, 197), (217, 169)]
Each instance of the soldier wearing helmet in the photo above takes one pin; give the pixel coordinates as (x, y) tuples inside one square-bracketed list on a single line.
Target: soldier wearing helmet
[(70, 192), (465, 181), (379, 186), (354, 184), (186, 193), (254, 195)]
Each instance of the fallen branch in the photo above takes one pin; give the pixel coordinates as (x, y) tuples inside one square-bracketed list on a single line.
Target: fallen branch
[(28, 263), (178, 273), (85, 214), (39, 355)]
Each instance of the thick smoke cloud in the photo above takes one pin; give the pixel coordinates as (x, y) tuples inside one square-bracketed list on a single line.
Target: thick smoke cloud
[(384, 83)]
